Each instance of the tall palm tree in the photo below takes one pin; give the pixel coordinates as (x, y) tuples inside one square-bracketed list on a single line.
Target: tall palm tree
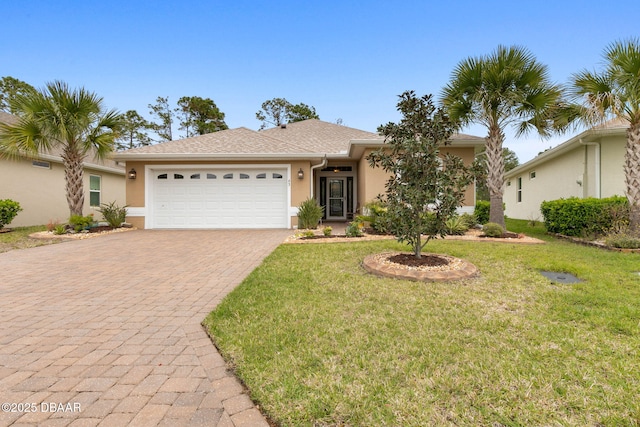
[(615, 92), (73, 121), (507, 87)]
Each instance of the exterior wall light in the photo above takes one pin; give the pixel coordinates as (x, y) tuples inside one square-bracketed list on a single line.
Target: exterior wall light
[(300, 174), (132, 174)]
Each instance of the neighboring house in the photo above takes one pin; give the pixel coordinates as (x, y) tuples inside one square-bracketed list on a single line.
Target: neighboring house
[(240, 178), (587, 165), (38, 184)]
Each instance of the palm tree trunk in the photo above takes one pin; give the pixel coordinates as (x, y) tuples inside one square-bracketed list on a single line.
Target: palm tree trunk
[(495, 175), (632, 176), (73, 176)]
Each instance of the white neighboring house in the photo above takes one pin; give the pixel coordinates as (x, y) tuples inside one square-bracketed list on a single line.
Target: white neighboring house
[(587, 165), (38, 184)]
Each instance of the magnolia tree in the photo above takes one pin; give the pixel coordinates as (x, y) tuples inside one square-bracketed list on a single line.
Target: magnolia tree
[(425, 187)]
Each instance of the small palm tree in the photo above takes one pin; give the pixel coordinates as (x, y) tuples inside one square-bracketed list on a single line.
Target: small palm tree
[(73, 121), (615, 92), (507, 87)]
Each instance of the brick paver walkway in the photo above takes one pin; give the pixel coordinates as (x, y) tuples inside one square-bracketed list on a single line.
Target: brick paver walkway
[(106, 331)]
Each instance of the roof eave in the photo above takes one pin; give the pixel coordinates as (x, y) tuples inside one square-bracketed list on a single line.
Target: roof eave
[(586, 136), (217, 157)]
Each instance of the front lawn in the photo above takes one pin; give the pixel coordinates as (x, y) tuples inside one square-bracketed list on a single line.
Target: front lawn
[(18, 238), (318, 341)]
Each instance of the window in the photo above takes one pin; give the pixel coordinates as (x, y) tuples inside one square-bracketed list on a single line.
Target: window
[(178, 176), (244, 176), (261, 176), (211, 176), (94, 190), (532, 174), (41, 164), (519, 189), (276, 176), (508, 183), (162, 176), (195, 176), (228, 176)]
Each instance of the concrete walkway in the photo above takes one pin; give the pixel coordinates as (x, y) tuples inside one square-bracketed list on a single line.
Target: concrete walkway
[(106, 331)]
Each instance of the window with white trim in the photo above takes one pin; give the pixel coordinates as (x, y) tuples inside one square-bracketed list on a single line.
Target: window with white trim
[(95, 187), (519, 189)]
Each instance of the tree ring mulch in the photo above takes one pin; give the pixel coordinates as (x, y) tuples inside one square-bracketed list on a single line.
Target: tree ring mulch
[(429, 268)]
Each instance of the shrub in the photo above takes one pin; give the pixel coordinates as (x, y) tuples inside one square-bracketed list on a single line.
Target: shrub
[(481, 211), (585, 217), (59, 229), (623, 241), (51, 225), (327, 231), (456, 225), (113, 214), (469, 220), (309, 214), (376, 213), (79, 222), (354, 229), (308, 233), (491, 229), (8, 211)]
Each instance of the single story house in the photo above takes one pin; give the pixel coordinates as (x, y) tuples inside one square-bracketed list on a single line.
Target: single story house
[(240, 178), (587, 165), (38, 184)]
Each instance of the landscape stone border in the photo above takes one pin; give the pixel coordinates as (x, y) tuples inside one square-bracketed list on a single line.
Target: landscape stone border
[(380, 265)]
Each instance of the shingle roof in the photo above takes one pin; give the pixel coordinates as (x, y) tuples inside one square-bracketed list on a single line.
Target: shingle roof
[(310, 137), (232, 141), (318, 136)]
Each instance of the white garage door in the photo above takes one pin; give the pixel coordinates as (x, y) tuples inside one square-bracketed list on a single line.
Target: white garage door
[(220, 198)]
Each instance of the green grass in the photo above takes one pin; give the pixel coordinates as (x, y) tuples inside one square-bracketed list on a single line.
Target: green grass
[(318, 341), (18, 238)]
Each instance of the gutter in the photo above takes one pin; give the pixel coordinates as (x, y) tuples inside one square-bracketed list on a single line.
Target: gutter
[(313, 168), (598, 165)]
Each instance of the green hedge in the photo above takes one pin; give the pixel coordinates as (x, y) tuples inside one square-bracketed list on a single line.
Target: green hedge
[(583, 217), (482, 211)]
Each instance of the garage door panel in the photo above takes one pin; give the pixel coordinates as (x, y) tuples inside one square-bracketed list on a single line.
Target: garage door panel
[(199, 200)]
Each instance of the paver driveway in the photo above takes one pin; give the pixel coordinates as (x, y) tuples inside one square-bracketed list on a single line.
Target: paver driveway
[(109, 328)]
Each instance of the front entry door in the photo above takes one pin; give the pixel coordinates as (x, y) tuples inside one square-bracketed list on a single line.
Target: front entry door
[(336, 199)]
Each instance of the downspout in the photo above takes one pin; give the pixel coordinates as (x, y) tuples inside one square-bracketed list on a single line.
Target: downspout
[(597, 168), (312, 178)]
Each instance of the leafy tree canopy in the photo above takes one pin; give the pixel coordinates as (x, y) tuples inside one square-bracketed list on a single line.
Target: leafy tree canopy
[(10, 88), (200, 116), (133, 133), (162, 112), (278, 111), (424, 188)]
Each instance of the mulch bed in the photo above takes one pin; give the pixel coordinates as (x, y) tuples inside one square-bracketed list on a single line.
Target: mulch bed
[(425, 261)]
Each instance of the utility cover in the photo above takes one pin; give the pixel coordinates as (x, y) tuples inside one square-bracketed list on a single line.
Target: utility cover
[(564, 278)]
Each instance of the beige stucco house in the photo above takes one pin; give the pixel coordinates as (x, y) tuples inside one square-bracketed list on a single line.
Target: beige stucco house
[(587, 165), (240, 178), (38, 184)]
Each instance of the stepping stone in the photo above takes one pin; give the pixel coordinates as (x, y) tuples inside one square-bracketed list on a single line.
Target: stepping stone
[(564, 278)]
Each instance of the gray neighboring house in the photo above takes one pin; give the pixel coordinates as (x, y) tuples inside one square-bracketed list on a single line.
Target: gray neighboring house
[(38, 184), (587, 165)]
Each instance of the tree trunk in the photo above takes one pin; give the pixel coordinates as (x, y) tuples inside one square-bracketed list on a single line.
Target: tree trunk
[(632, 176), (73, 175), (417, 249), (495, 175)]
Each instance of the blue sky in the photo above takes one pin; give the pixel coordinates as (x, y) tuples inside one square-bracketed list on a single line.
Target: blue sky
[(348, 59)]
